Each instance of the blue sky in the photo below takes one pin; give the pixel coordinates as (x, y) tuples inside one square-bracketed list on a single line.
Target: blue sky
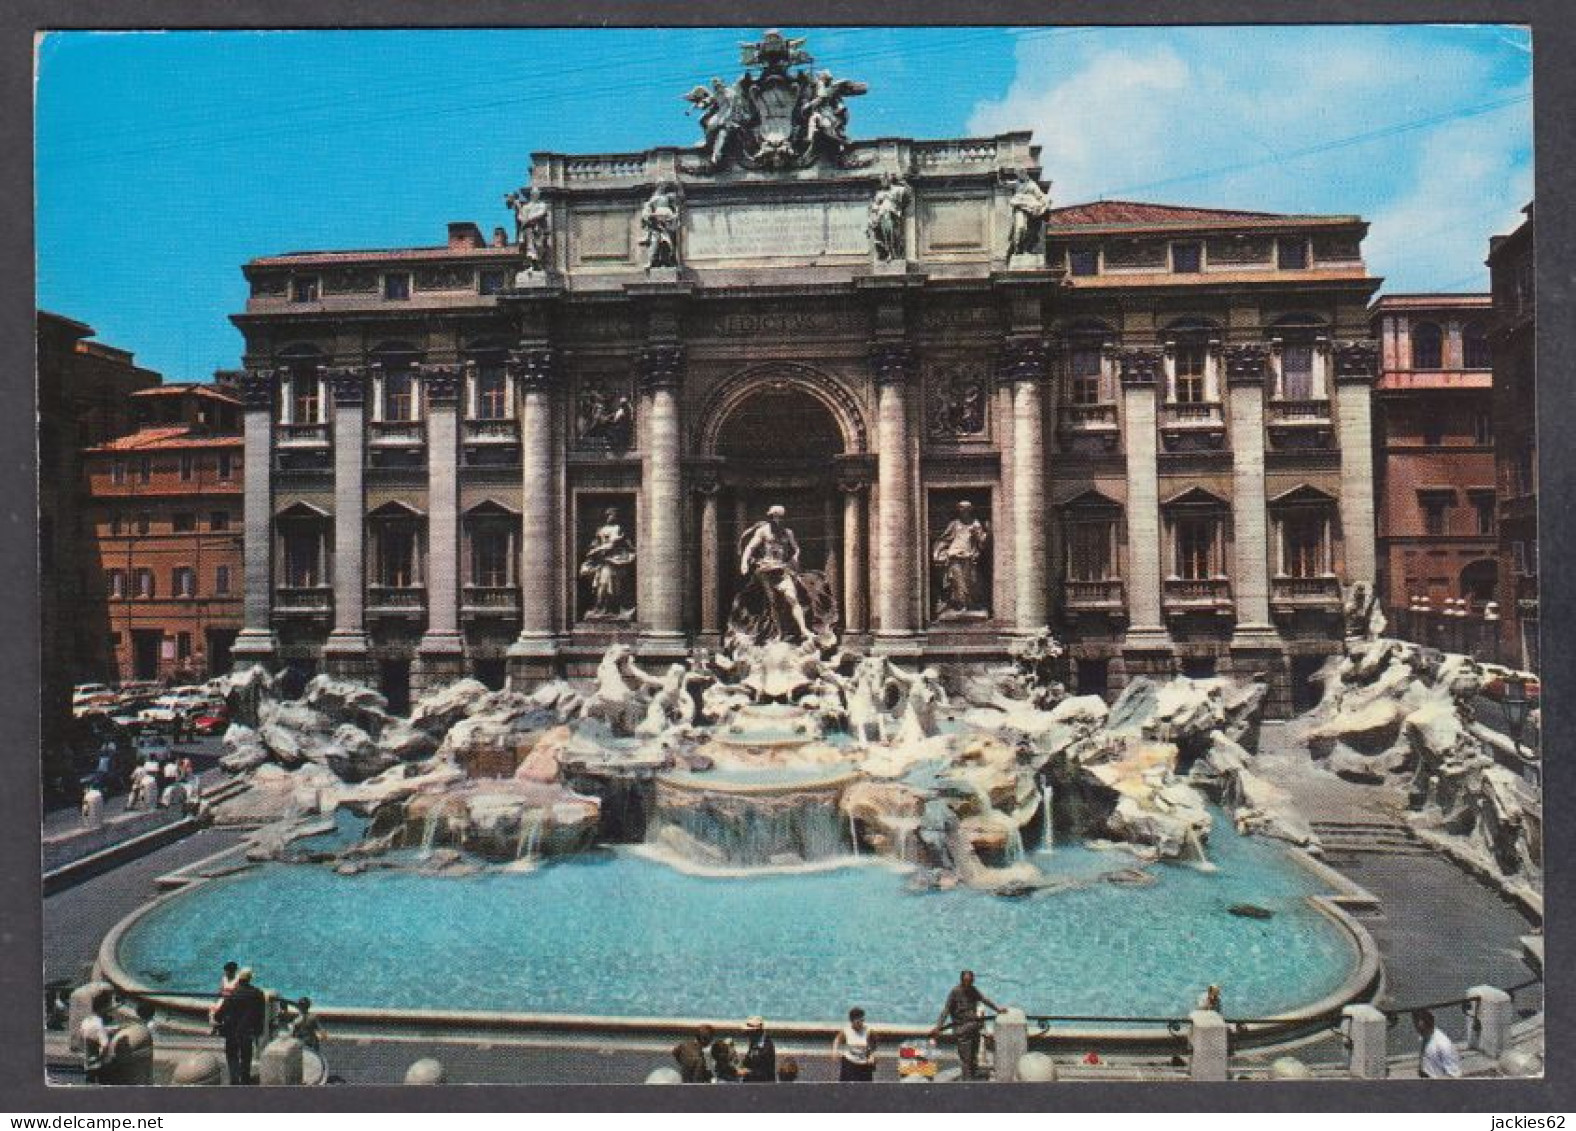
[(165, 160)]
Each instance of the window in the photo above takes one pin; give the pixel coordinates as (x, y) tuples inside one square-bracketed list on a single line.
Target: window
[(1436, 511), (306, 404), (226, 469), (1483, 429), (183, 645), (302, 543), (1433, 431), (1084, 368), (397, 555), (219, 520), (1524, 558), (144, 522), (1195, 539), (143, 579), (115, 583), (1192, 361), (1483, 504), (145, 469), (1475, 352), (1303, 545), (1297, 371), (399, 395), (492, 392), (187, 467), (116, 525), (1187, 258), (1090, 546), (1428, 346), (304, 288), (1083, 261), (490, 556), (183, 581), (185, 522), (396, 285), (1291, 254), (221, 580), (117, 471), (492, 282)]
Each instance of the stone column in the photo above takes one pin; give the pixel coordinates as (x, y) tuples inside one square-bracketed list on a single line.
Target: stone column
[(897, 576), (662, 557), (1250, 580), (440, 657), (1146, 630), (856, 607), (347, 654), (1024, 369), (706, 489), (256, 643), (1210, 1043), (531, 654), (1367, 1038), (1354, 376)]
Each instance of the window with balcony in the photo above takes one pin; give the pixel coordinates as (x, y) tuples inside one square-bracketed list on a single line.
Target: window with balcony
[(491, 391), (396, 286), (1475, 351), (117, 525), (1191, 385), (306, 398), (219, 520), (303, 554), (399, 395), (1297, 371), (144, 522), (1085, 370), (395, 546), (184, 522), (1484, 506), (1091, 548), (1196, 547), (183, 581), (1304, 545), (1428, 346), (304, 288), (491, 548)]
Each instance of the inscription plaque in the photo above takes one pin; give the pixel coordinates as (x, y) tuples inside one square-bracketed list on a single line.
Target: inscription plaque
[(779, 231)]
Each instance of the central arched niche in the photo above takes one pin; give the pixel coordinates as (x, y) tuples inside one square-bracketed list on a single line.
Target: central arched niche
[(779, 424)]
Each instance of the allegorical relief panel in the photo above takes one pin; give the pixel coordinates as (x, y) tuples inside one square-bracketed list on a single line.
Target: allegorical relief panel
[(957, 396)]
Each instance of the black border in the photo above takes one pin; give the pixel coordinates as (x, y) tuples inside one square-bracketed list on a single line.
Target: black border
[(21, 1071)]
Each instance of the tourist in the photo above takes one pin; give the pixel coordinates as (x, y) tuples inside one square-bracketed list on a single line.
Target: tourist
[(240, 1018), (1439, 1059), (1210, 999), (760, 1056), (691, 1056), (308, 1027), (855, 1049), (787, 1070), (724, 1063), (962, 1013), (148, 1014), (98, 1036), (226, 985)]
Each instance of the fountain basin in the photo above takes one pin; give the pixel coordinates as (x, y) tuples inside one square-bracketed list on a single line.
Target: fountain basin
[(611, 940)]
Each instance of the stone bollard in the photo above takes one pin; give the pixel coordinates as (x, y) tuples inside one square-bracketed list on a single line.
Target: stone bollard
[(1492, 1012), (133, 1059), (1289, 1068), (664, 1075), (1036, 1068), (1520, 1063), (79, 1005), (281, 1062), (199, 1070), (1012, 1041), (425, 1071), (1367, 1037), (1210, 1043)]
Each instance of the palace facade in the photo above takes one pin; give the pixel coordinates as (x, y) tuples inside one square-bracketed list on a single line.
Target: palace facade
[(1160, 415)]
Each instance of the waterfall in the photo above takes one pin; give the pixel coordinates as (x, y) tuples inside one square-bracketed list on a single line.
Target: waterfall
[(525, 848), (753, 830), (1014, 851), (1194, 845), (853, 834), (429, 832), (1048, 816)]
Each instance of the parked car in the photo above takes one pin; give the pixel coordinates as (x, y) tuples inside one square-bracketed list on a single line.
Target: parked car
[(154, 746), (86, 697), (1497, 685), (211, 718)]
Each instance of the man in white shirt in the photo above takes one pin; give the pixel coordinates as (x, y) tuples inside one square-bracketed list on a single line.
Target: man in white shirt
[(1439, 1059), (98, 1036)]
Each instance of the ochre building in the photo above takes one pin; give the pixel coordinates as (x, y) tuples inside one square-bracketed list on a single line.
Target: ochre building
[(1160, 417)]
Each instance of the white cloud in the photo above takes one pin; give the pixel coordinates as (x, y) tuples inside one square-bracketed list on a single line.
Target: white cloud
[(1207, 116)]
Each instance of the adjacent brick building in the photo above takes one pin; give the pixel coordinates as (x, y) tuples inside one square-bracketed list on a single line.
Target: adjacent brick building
[(1434, 469), (84, 399), (165, 514), (1510, 261)]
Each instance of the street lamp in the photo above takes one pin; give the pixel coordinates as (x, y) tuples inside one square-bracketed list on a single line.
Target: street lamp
[(1516, 706)]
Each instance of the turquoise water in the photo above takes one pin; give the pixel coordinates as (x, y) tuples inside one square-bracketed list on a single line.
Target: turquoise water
[(609, 932)]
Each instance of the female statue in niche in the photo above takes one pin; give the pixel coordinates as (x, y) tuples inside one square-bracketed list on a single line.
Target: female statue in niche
[(609, 564), (960, 552)]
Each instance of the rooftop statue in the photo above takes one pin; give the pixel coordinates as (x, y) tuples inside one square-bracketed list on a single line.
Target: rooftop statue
[(774, 117), (533, 227)]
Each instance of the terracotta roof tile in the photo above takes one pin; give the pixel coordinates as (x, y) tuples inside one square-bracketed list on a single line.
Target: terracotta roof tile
[(1141, 214), (150, 439)]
